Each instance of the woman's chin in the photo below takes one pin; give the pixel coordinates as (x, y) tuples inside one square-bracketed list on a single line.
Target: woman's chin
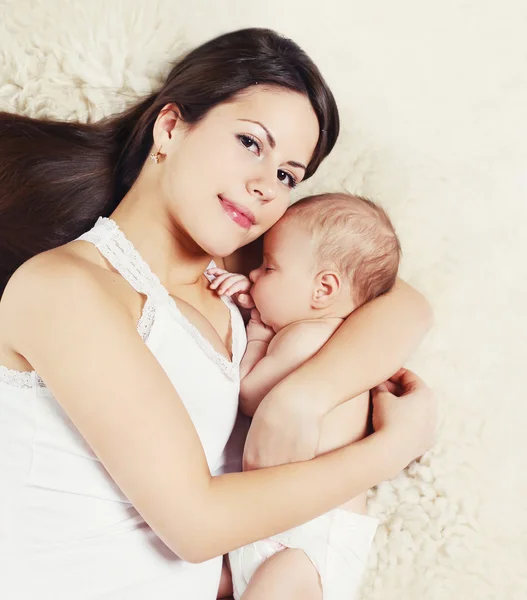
[(220, 249)]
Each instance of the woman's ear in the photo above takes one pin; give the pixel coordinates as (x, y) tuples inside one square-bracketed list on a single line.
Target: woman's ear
[(167, 123), (170, 116), (326, 289)]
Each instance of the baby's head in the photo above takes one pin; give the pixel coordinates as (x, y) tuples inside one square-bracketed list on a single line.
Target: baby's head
[(328, 255)]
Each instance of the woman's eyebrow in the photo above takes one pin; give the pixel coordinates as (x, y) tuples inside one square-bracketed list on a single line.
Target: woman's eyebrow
[(270, 138), (293, 163), (272, 142)]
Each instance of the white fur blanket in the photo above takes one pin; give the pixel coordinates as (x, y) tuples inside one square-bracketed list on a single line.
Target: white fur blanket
[(433, 99)]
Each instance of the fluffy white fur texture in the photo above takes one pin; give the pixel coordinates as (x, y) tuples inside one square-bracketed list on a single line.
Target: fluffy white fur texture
[(433, 100)]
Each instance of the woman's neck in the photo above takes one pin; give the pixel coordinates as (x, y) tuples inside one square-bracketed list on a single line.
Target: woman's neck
[(175, 259)]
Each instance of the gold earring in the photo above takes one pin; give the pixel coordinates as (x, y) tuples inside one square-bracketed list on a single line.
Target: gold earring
[(155, 157)]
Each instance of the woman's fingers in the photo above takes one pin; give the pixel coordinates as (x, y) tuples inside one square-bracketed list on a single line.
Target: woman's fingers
[(410, 413), (408, 381), (382, 387), (390, 386), (399, 374), (393, 388)]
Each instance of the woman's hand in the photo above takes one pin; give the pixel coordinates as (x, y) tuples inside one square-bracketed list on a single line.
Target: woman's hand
[(405, 407), (288, 430), (234, 285)]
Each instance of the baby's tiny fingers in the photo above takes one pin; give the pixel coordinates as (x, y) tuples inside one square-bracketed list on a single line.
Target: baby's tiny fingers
[(228, 283), (246, 301), (255, 315), (238, 286), (215, 271), (219, 280)]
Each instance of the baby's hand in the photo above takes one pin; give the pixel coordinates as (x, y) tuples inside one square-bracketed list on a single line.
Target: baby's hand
[(233, 285), (257, 330)]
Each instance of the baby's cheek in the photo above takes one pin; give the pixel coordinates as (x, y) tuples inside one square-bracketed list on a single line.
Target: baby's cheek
[(257, 296), (266, 299)]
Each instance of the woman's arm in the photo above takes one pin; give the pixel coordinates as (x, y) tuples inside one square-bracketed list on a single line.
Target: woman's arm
[(376, 340), (290, 349), (371, 345), (86, 348)]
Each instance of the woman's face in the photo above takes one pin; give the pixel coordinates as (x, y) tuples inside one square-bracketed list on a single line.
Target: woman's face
[(229, 178)]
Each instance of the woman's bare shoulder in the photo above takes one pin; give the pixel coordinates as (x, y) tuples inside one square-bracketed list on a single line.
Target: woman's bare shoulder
[(52, 272), (68, 276)]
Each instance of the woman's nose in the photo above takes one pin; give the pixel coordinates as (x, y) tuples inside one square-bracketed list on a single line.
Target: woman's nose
[(262, 188)]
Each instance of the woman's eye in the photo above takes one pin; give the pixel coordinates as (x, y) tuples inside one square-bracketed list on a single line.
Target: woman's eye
[(254, 146), (287, 178), (249, 142)]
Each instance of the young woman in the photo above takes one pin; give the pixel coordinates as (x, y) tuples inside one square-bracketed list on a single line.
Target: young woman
[(119, 379)]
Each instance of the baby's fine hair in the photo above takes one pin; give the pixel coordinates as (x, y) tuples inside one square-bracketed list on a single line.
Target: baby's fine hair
[(354, 236)]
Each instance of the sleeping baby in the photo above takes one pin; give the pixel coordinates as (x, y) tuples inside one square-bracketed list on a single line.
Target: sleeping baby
[(327, 256)]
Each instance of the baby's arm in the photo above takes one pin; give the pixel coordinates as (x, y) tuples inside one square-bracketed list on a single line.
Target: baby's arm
[(259, 336), (287, 351), (268, 358)]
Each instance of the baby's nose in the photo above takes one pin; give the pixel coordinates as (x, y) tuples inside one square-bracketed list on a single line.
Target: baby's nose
[(253, 275)]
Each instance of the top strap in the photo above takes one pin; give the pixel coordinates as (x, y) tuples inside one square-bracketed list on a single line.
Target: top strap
[(125, 259)]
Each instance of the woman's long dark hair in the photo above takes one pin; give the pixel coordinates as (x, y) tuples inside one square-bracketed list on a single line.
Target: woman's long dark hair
[(57, 178)]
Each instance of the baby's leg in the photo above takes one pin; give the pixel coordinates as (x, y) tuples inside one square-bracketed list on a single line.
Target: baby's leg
[(287, 575), (225, 589)]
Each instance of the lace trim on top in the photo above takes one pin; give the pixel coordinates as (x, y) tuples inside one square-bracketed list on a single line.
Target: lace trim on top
[(229, 367), (115, 247), (20, 379), (147, 318), (121, 254)]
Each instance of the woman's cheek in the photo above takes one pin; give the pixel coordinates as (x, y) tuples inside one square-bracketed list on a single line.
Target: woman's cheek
[(279, 206)]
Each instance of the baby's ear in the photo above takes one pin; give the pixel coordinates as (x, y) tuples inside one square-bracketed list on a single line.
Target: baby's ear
[(326, 289)]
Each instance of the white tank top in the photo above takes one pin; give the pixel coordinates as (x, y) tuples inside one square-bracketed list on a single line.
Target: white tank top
[(66, 529)]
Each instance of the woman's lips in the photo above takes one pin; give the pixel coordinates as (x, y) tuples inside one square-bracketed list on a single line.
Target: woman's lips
[(239, 214)]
